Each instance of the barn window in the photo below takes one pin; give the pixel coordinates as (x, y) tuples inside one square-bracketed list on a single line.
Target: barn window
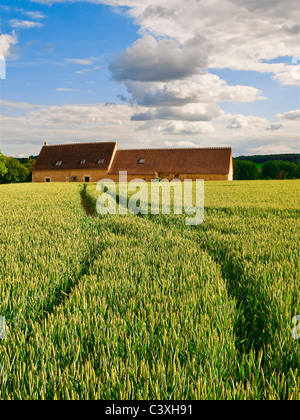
[(47, 180), (100, 161), (82, 162), (58, 163), (74, 178), (86, 179), (141, 161)]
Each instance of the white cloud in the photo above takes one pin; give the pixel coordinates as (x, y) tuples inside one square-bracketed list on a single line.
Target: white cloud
[(64, 90), (187, 128), (252, 123), (6, 41), (81, 61), (31, 14), (189, 112), (24, 24), (274, 148), (149, 60), (11, 106), (85, 71), (291, 115), (202, 88), (240, 34), (163, 72), (26, 129)]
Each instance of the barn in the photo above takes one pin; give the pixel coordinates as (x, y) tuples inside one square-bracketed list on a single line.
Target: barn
[(90, 162)]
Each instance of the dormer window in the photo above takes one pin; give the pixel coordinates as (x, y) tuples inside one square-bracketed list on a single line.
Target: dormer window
[(58, 163), (141, 161), (82, 162), (100, 161)]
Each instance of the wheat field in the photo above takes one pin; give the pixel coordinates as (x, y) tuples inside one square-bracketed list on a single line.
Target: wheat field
[(129, 307)]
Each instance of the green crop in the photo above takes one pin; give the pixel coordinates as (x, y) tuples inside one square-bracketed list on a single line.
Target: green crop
[(145, 307)]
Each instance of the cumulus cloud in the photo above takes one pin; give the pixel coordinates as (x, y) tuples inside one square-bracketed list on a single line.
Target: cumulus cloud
[(187, 128), (203, 88), (190, 112), (252, 123), (33, 124), (235, 34), (6, 42), (11, 105), (273, 7), (149, 60), (289, 76), (291, 115), (240, 34), (67, 115), (170, 92)]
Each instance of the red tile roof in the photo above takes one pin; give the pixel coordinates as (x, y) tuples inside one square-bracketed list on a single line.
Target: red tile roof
[(184, 161), (71, 155)]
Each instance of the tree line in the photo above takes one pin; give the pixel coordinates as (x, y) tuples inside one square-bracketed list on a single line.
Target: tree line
[(271, 169), (286, 157), (13, 170)]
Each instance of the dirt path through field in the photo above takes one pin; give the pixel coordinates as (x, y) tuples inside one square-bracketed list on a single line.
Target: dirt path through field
[(86, 205)]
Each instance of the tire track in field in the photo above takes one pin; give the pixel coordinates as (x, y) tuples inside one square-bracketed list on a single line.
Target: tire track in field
[(236, 280), (234, 276), (231, 272), (61, 294), (229, 279), (188, 240), (89, 211), (254, 327)]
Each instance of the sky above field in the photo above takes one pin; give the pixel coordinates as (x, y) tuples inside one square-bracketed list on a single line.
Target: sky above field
[(150, 73)]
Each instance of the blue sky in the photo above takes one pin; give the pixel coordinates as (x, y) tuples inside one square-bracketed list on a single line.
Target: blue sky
[(150, 73), (40, 63)]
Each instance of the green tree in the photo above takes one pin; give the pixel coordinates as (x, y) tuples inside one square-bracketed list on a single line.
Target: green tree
[(270, 169), (245, 170), (29, 165), (16, 172), (280, 170), (3, 168), (288, 170)]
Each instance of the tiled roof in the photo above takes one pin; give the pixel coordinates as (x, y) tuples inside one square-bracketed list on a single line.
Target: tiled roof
[(71, 156), (189, 161)]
